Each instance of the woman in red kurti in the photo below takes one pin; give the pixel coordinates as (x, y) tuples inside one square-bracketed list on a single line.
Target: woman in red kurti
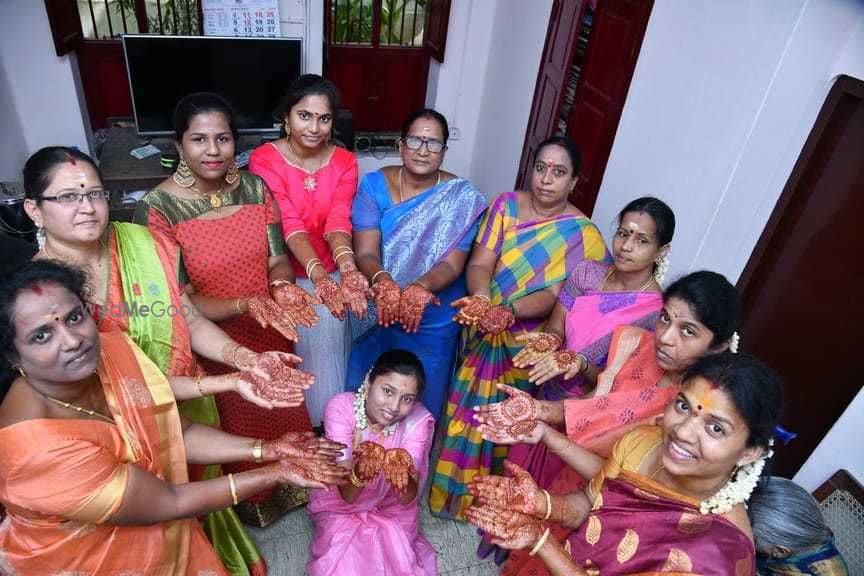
[(314, 183), (228, 227)]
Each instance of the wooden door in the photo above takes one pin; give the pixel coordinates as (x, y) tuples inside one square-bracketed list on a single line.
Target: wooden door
[(619, 26), (549, 89), (803, 284)]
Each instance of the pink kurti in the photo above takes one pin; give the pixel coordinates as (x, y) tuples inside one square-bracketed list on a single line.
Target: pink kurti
[(377, 534)]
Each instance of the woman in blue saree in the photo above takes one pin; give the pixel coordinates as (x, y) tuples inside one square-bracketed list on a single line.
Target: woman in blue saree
[(413, 229)]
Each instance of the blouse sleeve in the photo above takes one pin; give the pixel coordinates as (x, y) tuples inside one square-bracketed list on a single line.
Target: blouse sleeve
[(491, 232), (587, 275), (339, 216), (146, 215), (468, 238), (339, 422), (627, 454), (365, 213), (72, 478), (261, 166), (275, 238)]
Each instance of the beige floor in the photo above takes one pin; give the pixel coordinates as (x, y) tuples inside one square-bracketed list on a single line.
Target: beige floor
[(285, 545)]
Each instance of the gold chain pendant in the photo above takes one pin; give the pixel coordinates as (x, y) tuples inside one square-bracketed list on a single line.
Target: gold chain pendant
[(216, 201), (310, 183)]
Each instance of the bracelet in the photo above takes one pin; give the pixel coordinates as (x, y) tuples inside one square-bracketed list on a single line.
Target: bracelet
[(198, 384), (342, 251), (355, 480), (374, 276), (584, 360), (548, 505), (539, 543), (233, 487), (237, 305), (279, 282), (310, 265), (258, 450), (483, 296)]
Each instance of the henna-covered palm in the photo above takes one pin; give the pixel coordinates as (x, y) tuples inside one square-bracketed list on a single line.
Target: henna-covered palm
[(387, 295), (369, 460), (331, 295), (302, 445), (267, 313), (508, 529), (297, 303), (509, 422), (563, 362), (398, 468), (310, 473), (518, 492), (258, 391), (538, 345), (497, 319), (355, 292), (414, 300), (472, 309)]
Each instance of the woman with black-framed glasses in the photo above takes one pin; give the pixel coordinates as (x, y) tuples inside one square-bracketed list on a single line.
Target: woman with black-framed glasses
[(413, 229)]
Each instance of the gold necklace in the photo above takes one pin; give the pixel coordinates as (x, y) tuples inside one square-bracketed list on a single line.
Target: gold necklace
[(401, 170), (79, 408), (215, 198), (609, 277)]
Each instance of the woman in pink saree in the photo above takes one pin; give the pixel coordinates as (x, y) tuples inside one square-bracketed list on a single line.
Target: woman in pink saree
[(370, 526)]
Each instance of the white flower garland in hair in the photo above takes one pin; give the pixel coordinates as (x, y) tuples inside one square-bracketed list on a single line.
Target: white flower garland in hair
[(733, 342), (360, 420), (661, 267), (738, 488)]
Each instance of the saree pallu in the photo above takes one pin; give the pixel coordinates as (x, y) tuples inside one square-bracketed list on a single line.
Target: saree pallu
[(61, 479), (532, 256), (377, 533), (596, 424), (416, 235), (145, 268), (589, 325), (227, 257)]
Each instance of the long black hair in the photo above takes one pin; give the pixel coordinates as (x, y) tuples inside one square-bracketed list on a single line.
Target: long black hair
[(712, 298), (40, 167)]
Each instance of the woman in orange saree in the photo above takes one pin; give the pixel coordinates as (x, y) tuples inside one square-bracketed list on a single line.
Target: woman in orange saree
[(94, 468), (670, 499)]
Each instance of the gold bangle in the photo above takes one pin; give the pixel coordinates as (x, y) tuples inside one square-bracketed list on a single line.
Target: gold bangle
[(198, 384), (539, 543), (548, 505), (483, 296), (355, 480), (342, 251), (233, 487), (374, 276), (279, 282), (258, 450), (310, 265), (314, 264), (237, 305)]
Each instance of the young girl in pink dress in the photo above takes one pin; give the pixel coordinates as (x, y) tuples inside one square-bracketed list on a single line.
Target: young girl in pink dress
[(370, 525)]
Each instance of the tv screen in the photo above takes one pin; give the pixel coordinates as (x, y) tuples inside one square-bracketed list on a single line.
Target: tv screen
[(251, 73)]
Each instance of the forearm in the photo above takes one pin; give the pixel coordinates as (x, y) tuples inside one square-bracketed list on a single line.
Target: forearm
[(189, 388), (349, 491), (216, 309), (280, 269), (558, 560), (550, 411), (302, 249), (555, 324), (208, 445), (536, 305), (570, 510), (370, 265), (211, 342), (439, 277), (342, 250), (585, 463), (478, 278)]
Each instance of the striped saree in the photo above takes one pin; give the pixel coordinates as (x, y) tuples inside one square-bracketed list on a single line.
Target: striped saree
[(532, 255)]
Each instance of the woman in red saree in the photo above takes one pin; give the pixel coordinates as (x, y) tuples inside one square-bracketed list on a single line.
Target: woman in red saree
[(698, 318), (671, 497), (94, 467), (133, 285), (236, 270)]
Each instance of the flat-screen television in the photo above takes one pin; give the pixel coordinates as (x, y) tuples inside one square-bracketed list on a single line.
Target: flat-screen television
[(251, 73)]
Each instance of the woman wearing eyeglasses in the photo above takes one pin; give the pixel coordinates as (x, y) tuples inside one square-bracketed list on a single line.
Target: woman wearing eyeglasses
[(528, 244), (413, 229), (134, 286), (314, 182)]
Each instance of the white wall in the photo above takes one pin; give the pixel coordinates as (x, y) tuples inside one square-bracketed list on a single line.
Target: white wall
[(722, 100), (39, 103)]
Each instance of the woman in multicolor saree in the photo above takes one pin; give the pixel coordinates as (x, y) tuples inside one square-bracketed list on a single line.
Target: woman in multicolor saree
[(592, 304), (133, 285), (699, 315), (93, 472), (413, 229), (528, 244), (669, 500), (228, 226)]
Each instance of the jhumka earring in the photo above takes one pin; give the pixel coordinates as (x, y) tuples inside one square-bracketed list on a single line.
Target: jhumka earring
[(183, 175), (40, 237), (233, 174), (661, 267)]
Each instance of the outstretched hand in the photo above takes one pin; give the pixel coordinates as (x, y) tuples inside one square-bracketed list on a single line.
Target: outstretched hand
[(509, 529), (538, 345), (561, 363), (413, 302), (512, 421), (356, 292), (267, 313), (497, 319), (387, 296), (518, 492), (369, 460), (296, 302), (471, 309), (302, 445), (330, 294), (399, 469)]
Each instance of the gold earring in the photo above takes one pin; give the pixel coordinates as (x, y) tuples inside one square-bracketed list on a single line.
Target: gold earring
[(233, 174), (21, 371), (183, 176)]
